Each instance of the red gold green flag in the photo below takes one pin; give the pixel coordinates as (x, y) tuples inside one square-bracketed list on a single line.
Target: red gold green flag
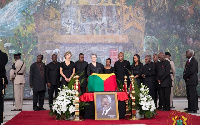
[(102, 82)]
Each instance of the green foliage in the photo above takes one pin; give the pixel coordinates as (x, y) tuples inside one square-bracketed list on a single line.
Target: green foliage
[(136, 95), (119, 85), (58, 116), (72, 81)]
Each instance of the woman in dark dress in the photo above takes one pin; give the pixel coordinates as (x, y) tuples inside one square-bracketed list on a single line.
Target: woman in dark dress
[(136, 69), (67, 69), (94, 67), (108, 69)]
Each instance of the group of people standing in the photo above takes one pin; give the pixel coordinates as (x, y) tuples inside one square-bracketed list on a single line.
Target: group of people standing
[(158, 75)]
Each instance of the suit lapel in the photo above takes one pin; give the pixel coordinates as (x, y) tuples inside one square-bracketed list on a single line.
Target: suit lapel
[(186, 66)]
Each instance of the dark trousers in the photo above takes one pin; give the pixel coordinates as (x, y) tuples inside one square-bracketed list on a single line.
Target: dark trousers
[(1, 108), (53, 88), (139, 81), (160, 96), (83, 90), (156, 94), (151, 90), (165, 97), (63, 82), (192, 97), (38, 95), (1, 101)]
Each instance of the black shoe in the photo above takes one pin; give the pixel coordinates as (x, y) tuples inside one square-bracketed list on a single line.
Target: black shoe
[(193, 111), (36, 109), (185, 108), (197, 108), (42, 109), (160, 108)]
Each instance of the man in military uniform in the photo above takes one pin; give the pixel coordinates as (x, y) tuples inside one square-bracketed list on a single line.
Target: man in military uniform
[(38, 83), (53, 78), (148, 73), (17, 76), (81, 70), (3, 82), (172, 74), (164, 79)]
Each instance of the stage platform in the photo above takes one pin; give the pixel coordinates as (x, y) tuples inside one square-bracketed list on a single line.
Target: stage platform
[(179, 103)]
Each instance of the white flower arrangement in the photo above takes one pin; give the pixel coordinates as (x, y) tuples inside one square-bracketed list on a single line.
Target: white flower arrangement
[(146, 100), (146, 103), (64, 105)]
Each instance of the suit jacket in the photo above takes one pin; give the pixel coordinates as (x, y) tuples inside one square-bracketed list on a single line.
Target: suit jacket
[(122, 69), (81, 70), (190, 72), (110, 114), (53, 73), (3, 62), (163, 75), (37, 80), (149, 71), (18, 72)]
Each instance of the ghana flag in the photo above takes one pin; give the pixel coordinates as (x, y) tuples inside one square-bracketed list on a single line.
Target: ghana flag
[(102, 82)]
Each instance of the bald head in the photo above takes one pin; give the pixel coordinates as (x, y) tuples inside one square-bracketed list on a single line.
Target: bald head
[(161, 56), (121, 56), (147, 59), (189, 53)]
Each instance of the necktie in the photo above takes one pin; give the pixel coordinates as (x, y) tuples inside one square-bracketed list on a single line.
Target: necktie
[(188, 62)]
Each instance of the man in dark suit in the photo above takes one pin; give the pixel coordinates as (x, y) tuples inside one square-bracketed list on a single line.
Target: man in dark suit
[(148, 73), (81, 70), (157, 86), (38, 83), (122, 67), (3, 82), (53, 78), (164, 78), (191, 80)]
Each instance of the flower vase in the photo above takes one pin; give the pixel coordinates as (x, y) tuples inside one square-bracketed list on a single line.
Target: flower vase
[(72, 117), (138, 114)]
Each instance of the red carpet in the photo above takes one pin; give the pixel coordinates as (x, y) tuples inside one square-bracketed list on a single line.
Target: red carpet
[(43, 118)]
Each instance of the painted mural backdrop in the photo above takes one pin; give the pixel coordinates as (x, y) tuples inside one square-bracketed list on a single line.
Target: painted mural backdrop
[(104, 27)]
